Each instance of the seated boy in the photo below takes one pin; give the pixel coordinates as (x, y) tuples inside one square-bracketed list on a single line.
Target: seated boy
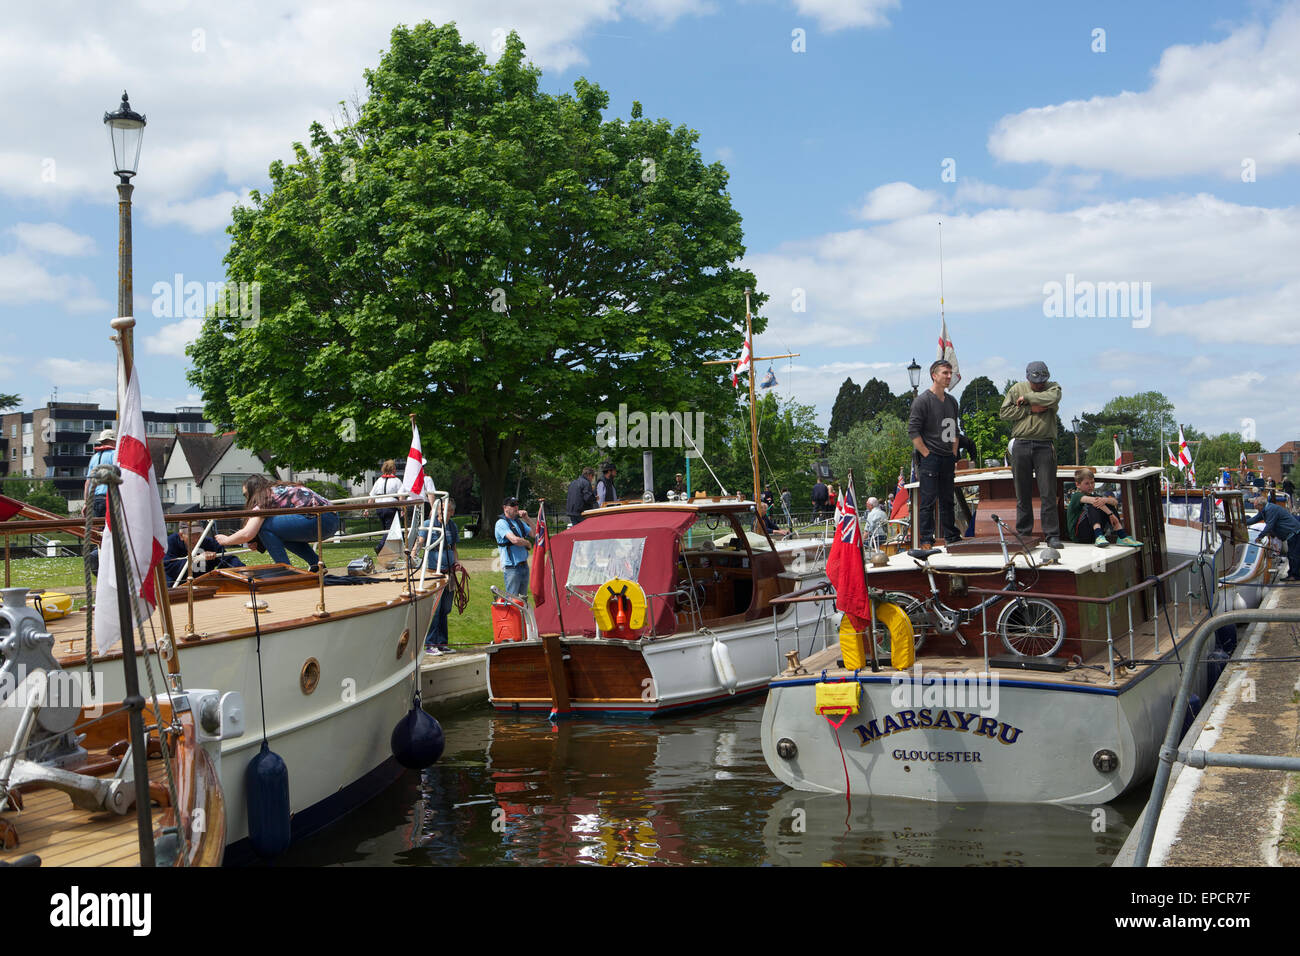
[(1089, 516)]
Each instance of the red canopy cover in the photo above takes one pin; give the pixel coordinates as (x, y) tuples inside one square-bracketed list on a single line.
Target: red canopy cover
[(661, 530)]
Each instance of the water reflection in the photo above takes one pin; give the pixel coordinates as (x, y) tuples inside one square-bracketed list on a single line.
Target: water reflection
[(690, 791)]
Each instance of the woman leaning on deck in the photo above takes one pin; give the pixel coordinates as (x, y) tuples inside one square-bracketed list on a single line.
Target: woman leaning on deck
[(280, 534)]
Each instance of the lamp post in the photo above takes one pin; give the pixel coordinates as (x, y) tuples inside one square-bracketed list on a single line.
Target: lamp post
[(914, 373), (125, 132), (1075, 424)]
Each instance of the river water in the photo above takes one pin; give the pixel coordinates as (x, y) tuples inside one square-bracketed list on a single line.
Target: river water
[(688, 791)]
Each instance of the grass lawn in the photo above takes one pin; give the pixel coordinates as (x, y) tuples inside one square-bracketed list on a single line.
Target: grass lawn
[(472, 627)]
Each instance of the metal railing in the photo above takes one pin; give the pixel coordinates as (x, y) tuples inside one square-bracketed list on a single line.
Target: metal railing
[(1169, 752)]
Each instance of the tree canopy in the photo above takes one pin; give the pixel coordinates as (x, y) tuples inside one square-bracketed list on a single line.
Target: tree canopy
[(876, 451), (502, 262)]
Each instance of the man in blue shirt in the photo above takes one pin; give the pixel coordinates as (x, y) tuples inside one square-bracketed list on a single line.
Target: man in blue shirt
[(105, 454), (514, 533), (1281, 525)]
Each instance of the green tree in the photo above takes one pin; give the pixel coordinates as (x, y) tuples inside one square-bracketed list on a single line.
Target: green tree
[(41, 494), (980, 394), (876, 399), (847, 410), (875, 451), (501, 261), (8, 401), (788, 436), (989, 433)]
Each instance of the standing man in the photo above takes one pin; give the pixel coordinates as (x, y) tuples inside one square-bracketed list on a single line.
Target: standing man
[(820, 495), (105, 453), (1031, 406), (933, 428), (515, 534), (581, 496), (679, 487), (605, 492)]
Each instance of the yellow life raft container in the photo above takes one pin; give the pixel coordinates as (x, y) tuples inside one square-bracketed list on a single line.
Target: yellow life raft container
[(53, 604), (626, 617)]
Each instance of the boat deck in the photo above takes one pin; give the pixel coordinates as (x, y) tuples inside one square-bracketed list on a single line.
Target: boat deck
[(227, 616), (64, 835), (1092, 673)]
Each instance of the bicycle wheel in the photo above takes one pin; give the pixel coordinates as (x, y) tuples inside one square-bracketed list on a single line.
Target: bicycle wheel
[(916, 613), (1031, 627)]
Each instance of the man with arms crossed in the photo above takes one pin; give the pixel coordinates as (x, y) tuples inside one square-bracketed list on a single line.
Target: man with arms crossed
[(1031, 407)]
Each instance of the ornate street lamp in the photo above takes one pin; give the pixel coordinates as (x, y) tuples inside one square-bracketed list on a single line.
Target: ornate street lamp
[(1075, 424), (914, 373), (125, 133)]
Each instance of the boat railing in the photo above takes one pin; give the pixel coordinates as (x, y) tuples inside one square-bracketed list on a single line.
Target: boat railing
[(1206, 595), (10, 528)]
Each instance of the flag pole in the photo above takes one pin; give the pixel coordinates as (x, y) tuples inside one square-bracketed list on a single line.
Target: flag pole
[(550, 560), (866, 577)]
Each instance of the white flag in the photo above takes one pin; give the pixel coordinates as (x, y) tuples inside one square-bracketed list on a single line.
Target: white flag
[(145, 534), (948, 353)]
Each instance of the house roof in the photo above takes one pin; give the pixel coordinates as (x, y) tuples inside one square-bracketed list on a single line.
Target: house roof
[(202, 452), (160, 449), (1291, 446)]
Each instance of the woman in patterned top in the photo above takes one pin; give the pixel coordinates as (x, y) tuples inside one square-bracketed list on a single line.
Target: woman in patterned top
[(280, 534)]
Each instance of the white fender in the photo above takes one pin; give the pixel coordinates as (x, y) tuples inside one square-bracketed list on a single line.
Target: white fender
[(722, 666)]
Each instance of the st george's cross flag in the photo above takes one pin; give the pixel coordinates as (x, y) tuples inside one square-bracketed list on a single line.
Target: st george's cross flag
[(948, 353), (1119, 458), (413, 477), (742, 365), (145, 534), (1185, 456), (900, 500)]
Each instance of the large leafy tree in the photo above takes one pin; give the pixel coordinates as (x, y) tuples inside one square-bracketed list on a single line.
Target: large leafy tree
[(502, 262), (847, 410), (876, 451)]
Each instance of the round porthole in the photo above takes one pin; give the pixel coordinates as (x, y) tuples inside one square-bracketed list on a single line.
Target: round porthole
[(402, 642), (310, 675)]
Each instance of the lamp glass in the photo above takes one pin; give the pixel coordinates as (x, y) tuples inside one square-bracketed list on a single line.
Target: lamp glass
[(125, 133)]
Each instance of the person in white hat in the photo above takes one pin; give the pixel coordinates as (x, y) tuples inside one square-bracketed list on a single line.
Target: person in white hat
[(105, 453)]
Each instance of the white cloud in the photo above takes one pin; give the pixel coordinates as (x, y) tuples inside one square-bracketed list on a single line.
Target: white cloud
[(1269, 317), (24, 281), (224, 102), (52, 238), (839, 14), (69, 373), (204, 214), (171, 339), (1209, 107), (978, 193), (897, 201), (861, 281)]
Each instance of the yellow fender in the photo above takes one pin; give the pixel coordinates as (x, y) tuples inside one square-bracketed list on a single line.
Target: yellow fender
[(605, 593), (901, 646)]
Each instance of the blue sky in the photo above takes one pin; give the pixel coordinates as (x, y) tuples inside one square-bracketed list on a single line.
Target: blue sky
[(1123, 165)]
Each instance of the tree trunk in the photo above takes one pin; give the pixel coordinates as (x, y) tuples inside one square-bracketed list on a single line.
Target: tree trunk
[(490, 456)]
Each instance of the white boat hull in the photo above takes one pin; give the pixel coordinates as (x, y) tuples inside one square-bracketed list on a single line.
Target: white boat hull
[(335, 741), (1039, 744)]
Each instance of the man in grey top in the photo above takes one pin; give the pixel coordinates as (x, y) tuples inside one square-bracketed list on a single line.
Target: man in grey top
[(1031, 408), (932, 426)]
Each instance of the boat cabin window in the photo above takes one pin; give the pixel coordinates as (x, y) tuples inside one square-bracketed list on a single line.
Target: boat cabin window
[(596, 561)]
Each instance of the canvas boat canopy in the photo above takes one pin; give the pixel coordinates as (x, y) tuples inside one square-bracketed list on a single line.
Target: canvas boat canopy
[(620, 543)]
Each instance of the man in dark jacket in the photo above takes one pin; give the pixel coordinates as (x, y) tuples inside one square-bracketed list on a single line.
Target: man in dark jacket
[(820, 496), (933, 427), (1281, 525), (581, 496), (606, 494)]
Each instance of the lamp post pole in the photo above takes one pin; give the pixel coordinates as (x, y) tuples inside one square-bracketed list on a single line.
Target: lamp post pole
[(1075, 423)]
